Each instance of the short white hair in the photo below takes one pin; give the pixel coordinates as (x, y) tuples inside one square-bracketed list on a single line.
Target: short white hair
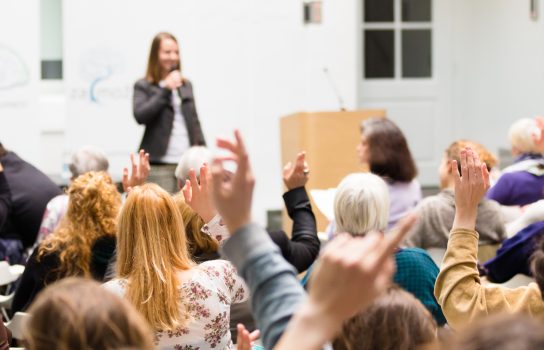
[(361, 204), (88, 158), (193, 158), (521, 135)]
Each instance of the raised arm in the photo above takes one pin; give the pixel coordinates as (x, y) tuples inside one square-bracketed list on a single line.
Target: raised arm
[(458, 288), (303, 248), (275, 291)]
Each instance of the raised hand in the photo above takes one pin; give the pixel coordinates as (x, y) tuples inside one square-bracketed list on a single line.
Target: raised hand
[(139, 171), (233, 195), (244, 340), (198, 195), (173, 80), (470, 187), (296, 176)]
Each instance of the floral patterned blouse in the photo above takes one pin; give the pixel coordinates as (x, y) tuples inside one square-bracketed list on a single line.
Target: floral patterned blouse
[(210, 291)]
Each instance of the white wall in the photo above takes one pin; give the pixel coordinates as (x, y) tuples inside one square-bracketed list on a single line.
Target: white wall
[(499, 67), (19, 77), (250, 61)]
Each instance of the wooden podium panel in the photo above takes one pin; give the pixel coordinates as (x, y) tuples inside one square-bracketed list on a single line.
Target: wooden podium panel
[(329, 139)]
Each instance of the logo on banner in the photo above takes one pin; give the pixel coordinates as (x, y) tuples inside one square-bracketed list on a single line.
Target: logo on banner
[(99, 67), (13, 69)]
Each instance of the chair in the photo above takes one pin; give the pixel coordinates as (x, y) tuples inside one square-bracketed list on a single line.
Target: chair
[(8, 275), (16, 324)]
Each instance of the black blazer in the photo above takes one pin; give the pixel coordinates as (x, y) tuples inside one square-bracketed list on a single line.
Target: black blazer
[(153, 108)]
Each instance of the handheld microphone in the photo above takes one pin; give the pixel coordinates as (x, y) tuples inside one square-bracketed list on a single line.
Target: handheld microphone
[(334, 90), (173, 68)]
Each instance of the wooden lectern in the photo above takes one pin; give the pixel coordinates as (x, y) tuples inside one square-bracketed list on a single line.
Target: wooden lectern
[(329, 139)]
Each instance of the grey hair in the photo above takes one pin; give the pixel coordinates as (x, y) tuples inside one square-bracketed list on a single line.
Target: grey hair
[(521, 135), (193, 158), (88, 158), (361, 204)]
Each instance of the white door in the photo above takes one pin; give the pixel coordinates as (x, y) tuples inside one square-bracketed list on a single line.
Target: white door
[(406, 69)]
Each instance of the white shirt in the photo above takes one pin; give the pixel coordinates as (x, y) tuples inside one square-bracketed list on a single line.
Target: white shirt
[(179, 138)]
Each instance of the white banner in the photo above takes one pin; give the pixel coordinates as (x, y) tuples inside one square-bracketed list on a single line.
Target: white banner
[(19, 77)]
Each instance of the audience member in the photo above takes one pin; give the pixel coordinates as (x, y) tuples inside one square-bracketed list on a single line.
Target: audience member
[(395, 320), (514, 256), (458, 287), (81, 245), (436, 213), (24, 193), (384, 149), (201, 246), (501, 332), (193, 158), (362, 205), (522, 182), (303, 247), (79, 314), (83, 160), (185, 304), (358, 268)]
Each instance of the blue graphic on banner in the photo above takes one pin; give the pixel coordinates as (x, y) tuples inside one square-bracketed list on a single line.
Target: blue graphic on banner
[(13, 69)]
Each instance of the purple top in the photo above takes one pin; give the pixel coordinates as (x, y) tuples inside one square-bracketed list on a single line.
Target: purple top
[(404, 196), (519, 187)]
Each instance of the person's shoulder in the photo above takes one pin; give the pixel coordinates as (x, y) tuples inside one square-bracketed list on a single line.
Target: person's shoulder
[(414, 254), (142, 83)]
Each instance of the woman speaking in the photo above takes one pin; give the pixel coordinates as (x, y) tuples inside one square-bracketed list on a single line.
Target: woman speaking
[(164, 103)]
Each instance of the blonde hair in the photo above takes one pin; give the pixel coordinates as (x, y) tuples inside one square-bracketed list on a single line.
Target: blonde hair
[(151, 249), (197, 242), (92, 210), (361, 204), (80, 314), (453, 152), (521, 135)]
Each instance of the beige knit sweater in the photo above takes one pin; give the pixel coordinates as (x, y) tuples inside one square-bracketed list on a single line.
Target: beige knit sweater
[(462, 296)]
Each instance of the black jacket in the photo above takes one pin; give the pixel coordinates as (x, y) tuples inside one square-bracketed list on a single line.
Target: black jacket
[(24, 194), (153, 108)]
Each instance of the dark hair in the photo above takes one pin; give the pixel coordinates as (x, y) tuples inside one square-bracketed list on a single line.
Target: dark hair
[(396, 320), (389, 154), (502, 332), (3, 151), (153, 74)]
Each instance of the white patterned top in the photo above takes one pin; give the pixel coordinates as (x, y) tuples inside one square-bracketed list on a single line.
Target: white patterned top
[(211, 289)]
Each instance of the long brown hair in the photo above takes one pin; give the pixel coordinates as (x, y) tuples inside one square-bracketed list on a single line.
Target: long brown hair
[(151, 250), (197, 242), (77, 313), (389, 154), (153, 73), (396, 320), (92, 210)]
